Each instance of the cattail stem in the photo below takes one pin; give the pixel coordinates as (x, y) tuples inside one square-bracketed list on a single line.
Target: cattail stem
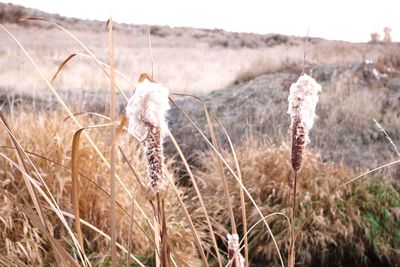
[(303, 99), (113, 148), (294, 199), (146, 111), (128, 258), (292, 219), (165, 250), (156, 236)]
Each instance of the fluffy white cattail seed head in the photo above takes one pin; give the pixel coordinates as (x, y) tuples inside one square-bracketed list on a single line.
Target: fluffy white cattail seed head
[(235, 258), (303, 99), (146, 113), (148, 105)]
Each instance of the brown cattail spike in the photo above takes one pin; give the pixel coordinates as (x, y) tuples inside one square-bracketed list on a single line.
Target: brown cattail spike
[(154, 157), (298, 144)]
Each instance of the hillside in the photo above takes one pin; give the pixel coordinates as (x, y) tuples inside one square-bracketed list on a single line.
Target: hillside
[(185, 59), (345, 130)]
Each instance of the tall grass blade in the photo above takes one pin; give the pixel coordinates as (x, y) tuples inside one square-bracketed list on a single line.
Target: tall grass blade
[(151, 52), (388, 137), (112, 163), (222, 175), (131, 212), (157, 239), (142, 186), (221, 170), (119, 130), (62, 66), (75, 185), (241, 192), (166, 252)]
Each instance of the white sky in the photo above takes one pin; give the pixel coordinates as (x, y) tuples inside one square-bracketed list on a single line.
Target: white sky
[(349, 20)]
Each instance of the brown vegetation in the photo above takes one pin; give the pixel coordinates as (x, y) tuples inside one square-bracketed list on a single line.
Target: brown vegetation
[(41, 191), (354, 226), (47, 140)]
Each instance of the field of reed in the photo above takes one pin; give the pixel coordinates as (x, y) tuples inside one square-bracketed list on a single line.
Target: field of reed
[(112, 179)]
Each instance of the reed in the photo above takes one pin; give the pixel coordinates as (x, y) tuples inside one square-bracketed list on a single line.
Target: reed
[(146, 112), (303, 99)]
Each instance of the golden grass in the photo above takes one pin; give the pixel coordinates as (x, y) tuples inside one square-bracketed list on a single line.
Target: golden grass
[(342, 222), (192, 59), (47, 135), (47, 138)]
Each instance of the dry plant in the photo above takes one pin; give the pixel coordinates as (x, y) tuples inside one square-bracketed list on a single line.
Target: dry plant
[(354, 224), (51, 150), (146, 112), (157, 224), (113, 145), (389, 61), (303, 99), (105, 160)]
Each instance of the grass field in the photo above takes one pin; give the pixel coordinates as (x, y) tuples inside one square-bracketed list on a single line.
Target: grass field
[(53, 172)]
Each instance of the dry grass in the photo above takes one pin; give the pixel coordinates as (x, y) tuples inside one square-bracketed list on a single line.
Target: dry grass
[(355, 225), (389, 61), (201, 66), (357, 217), (193, 61), (47, 135)]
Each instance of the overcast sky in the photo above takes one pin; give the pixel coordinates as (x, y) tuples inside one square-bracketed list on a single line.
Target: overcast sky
[(334, 19)]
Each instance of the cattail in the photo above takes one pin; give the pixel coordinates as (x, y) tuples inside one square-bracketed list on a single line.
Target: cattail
[(235, 258), (303, 99), (146, 113)]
